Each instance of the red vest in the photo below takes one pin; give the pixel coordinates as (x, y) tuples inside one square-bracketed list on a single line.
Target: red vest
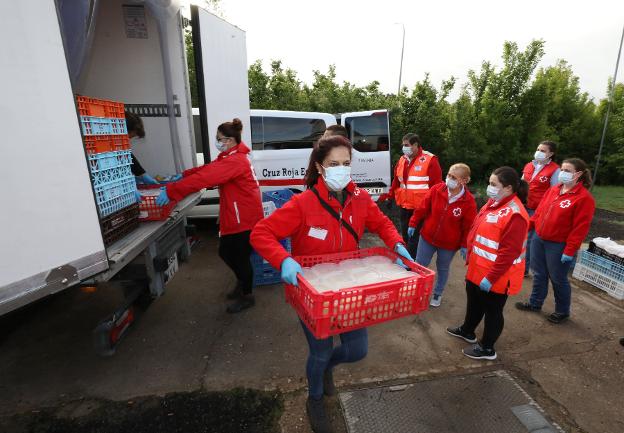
[(540, 184), (413, 189), (483, 241)]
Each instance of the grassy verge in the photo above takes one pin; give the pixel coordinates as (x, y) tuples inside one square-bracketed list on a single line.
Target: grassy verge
[(609, 197)]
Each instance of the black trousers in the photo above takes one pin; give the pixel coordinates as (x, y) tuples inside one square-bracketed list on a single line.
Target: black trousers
[(410, 243), (235, 250), (488, 304)]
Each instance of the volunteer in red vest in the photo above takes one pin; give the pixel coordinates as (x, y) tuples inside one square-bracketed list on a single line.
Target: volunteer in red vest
[(240, 205), (541, 174), (329, 217), (415, 173), (447, 213), (561, 223), (496, 248)]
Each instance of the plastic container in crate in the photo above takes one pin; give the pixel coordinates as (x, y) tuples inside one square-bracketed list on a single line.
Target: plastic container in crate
[(120, 223), (148, 209), (116, 195), (99, 107), (103, 126), (263, 273), (600, 272), (279, 197), (110, 166), (106, 143), (335, 312)]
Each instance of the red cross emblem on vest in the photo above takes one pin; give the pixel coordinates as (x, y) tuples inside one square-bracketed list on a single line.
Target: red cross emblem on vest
[(564, 204), (543, 179), (356, 191), (457, 211), (423, 159), (504, 212)]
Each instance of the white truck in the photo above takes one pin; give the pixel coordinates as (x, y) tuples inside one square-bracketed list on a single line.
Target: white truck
[(133, 52)]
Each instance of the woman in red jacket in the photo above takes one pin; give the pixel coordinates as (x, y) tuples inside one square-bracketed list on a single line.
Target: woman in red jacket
[(447, 213), (496, 249), (561, 223), (329, 217), (240, 205)]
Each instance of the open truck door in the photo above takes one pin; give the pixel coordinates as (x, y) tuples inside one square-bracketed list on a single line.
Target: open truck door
[(51, 237)]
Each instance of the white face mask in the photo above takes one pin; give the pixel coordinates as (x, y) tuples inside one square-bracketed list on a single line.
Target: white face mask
[(221, 147), (407, 151), (566, 178), (451, 183), (540, 156), (493, 192), (338, 177)]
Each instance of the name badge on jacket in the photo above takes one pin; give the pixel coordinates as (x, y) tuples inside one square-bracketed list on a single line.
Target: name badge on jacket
[(318, 233)]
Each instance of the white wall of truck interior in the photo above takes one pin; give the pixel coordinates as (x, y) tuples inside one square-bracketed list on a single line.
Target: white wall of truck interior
[(48, 215), (131, 71)]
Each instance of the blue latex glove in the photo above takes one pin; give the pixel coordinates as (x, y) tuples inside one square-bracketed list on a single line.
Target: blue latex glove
[(290, 269), (148, 180), (485, 285), (402, 251), (162, 198), (411, 231), (463, 253), (565, 258), (175, 178), (138, 196)]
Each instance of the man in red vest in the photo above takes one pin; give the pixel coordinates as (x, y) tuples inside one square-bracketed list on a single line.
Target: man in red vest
[(540, 174), (416, 172)]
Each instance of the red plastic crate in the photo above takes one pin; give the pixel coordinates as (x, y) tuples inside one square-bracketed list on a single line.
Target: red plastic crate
[(335, 312), (106, 143), (148, 209), (99, 107)]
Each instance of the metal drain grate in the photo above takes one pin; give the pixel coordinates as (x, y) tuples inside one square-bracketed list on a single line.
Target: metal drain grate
[(490, 403)]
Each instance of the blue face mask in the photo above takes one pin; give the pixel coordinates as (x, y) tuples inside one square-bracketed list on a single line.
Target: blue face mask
[(407, 151), (566, 178), (338, 177), (493, 192)]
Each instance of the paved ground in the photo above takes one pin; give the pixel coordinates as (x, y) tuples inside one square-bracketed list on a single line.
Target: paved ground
[(185, 342)]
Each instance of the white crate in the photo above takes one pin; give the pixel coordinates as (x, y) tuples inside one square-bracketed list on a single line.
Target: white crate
[(610, 285), (268, 208)]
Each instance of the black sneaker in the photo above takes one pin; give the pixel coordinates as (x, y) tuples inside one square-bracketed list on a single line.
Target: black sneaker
[(478, 352), (558, 318), (244, 302), (622, 341), (235, 293), (329, 388), (459, 333), (526, 306), (317, 416)]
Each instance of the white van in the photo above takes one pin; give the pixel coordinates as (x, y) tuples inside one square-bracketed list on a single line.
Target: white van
[(281, 143)]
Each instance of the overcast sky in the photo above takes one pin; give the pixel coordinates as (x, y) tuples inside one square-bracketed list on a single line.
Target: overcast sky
[(442, 37)]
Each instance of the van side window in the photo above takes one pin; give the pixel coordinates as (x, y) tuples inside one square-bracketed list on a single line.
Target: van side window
[(257, 133), (291, 133), (370, 133)]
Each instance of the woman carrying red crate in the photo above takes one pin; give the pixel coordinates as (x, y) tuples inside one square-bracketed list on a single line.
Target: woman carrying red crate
[(240, 205), (561, 223), (496, 247), (329, 217)]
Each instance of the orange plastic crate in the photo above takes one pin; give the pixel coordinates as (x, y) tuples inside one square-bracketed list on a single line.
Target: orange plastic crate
[(106, 143), (99, 107), (148, 209), (335, 312)]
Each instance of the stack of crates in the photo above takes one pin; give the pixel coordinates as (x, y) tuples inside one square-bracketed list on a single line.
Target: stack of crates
[(107, 146), (263, 273), (602, 270)]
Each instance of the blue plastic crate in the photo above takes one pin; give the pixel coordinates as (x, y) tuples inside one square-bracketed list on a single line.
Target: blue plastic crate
[(263, 273), (103, 126), (110, 166), (279, 197), (116, 195), (603, 265)]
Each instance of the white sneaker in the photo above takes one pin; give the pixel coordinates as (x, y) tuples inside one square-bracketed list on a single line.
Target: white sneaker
[(436, 300)]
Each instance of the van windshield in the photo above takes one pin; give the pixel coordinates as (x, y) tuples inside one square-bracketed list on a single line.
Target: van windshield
[(369, 133), (275, 133)]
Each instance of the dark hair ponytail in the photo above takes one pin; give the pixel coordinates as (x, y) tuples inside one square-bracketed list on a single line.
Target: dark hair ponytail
[(134, 124), (508, 176), (580, 165), (320, 152), (232, 129)]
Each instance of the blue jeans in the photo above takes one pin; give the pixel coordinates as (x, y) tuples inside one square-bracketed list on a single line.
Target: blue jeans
[(323, 356), (530, 237), (443, 262), (546, 265)]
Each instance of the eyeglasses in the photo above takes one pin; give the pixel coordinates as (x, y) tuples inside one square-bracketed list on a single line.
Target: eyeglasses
[(223, 140)]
